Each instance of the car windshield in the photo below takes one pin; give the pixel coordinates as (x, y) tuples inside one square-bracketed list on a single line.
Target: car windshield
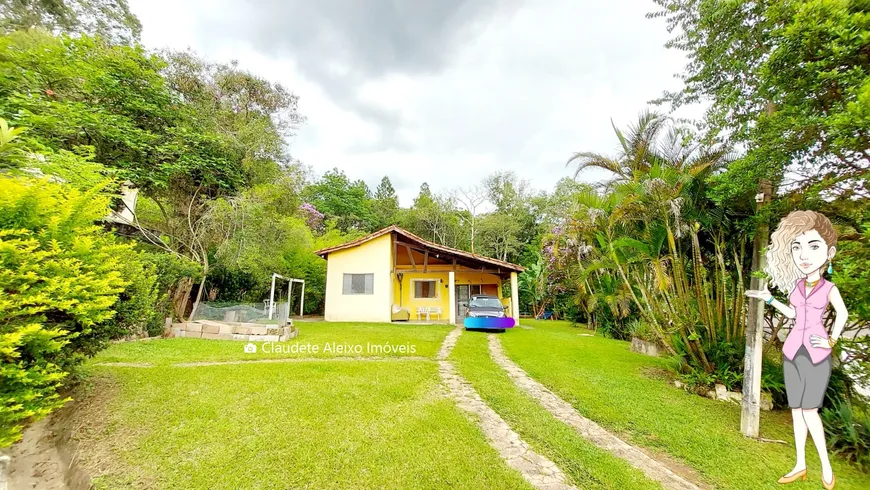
[(485, 303)]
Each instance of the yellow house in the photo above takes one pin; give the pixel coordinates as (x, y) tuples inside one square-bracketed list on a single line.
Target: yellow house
[(393, 274)]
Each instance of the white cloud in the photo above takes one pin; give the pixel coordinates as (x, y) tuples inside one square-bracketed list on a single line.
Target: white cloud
[(511, 89)]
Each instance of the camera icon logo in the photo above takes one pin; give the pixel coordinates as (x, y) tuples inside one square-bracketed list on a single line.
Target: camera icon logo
[(250, 349)]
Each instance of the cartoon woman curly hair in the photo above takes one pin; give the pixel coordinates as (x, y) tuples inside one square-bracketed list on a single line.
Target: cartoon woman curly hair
[(802, 245)]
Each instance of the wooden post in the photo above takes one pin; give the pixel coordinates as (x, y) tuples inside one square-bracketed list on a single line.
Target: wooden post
[(411, 259), (451, 296), (515, 299), (751, 405)]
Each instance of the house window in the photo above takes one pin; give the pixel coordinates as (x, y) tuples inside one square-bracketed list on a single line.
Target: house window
[(358, 284), (425, 289), (476, 289)]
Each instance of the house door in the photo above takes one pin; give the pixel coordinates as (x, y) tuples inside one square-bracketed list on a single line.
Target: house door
[(463, 294)]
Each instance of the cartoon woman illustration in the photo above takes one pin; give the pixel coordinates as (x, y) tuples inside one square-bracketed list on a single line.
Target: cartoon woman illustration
[(802, 245)]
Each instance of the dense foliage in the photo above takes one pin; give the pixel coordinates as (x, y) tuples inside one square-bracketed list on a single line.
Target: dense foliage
[(790, 79), (201, 144), (787, 83), (60, 275), (111, 19)]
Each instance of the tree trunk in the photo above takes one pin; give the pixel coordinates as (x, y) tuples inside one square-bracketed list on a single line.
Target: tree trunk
[(180, 297), (201, 287), (472, 232)]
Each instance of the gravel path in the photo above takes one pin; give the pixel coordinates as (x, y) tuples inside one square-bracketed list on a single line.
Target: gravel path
[(535, 468), (564, 411)]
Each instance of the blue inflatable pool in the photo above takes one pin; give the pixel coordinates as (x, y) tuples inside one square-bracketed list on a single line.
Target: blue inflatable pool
[(489, 323)]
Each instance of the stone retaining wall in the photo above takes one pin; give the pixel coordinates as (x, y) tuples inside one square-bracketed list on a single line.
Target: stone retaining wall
[(722, 394), (248, 332), (643, 347)]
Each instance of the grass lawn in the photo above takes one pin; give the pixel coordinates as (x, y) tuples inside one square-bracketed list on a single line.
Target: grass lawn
[(329, 340), (311, 424), (606, 383), (588, 466)]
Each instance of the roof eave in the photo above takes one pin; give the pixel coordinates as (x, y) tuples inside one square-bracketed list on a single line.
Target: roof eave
[(324, 252)]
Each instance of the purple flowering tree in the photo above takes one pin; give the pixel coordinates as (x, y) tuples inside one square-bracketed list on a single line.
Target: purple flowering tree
[(547, 278), (313, 218)]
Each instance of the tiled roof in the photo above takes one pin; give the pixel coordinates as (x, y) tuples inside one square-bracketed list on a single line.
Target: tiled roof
[(426, 243)]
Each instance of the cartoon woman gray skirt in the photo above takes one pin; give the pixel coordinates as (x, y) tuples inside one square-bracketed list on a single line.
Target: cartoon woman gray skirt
[(805, 382)]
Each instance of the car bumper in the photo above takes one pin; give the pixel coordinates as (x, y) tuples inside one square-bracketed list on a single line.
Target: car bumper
[(489, 323)]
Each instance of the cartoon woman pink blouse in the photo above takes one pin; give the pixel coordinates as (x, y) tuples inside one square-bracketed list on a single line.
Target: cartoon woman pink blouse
[(802, 245)]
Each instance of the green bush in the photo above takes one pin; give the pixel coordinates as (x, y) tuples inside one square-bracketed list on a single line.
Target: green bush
[(840, 388), (729, 375), (608, 325), (847, 429), (698, 380), (60, 276), (168, 270), (773, 382), (137, 310), (638, 328), (235, 285)]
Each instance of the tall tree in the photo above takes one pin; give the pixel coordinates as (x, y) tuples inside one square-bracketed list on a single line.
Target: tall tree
[(253, 115), (512, 223), (348, 203), (649, 142), (552, 209), (471, 198), (110, 19), (84, 96), (434, 218), (790, 79), (424, 198), (385, 205), (640, 229), (506, 191), (500, 234)]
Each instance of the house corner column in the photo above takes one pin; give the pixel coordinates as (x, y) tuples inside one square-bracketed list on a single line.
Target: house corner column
[(515, 298), (451, 295)]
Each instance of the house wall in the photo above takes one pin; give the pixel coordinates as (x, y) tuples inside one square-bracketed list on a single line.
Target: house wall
[(373, 257), (442, 299)]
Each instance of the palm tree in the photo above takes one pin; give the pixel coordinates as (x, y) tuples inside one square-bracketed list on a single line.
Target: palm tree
[(599, 220), (654, 141), (659, 172)]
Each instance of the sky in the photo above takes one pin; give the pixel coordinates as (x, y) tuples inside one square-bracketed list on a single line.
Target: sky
[(439, 91)]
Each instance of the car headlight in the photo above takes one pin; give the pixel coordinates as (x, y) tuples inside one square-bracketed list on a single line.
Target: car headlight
[(472, 314)]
